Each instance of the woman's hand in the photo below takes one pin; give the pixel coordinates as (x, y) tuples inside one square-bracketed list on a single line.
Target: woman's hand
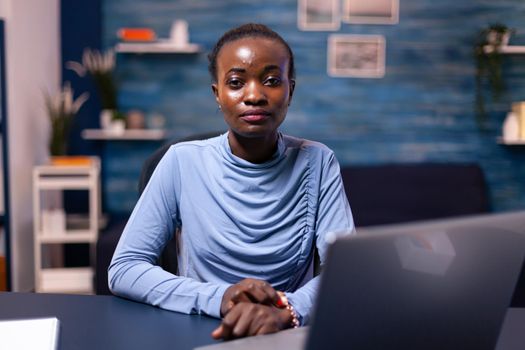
[(249, 290), (247, 319)]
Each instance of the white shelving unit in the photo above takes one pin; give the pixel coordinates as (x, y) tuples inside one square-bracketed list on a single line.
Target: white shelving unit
[(161, 46), (128, 134), (59, 178), (507, 49)]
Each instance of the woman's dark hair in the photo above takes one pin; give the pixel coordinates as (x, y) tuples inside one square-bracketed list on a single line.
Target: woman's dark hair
[(249, 30)]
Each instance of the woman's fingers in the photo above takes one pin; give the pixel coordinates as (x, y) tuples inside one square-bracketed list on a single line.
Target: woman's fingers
[(224, 331), (217, 332), (246, 319), (260, 292), (249, 290)]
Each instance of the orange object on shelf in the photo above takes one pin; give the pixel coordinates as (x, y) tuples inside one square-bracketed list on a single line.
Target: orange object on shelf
[(137, 34), (71, 161)]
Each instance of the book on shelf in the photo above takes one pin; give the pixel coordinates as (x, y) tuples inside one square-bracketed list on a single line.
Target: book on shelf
[(137, 34)]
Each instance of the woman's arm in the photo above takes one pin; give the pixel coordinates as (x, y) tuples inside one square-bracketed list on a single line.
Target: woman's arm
[(133, 272), (334, 217)]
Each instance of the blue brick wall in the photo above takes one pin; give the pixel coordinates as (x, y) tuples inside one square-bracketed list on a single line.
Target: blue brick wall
[(422, 110)]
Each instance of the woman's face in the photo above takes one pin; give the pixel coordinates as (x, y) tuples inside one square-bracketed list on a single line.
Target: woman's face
[(253, 88)]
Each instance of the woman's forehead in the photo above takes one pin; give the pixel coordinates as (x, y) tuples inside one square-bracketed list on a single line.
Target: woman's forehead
[(251, 50)]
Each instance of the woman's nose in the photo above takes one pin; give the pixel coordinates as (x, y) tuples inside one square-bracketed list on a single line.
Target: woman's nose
[(254, 94)]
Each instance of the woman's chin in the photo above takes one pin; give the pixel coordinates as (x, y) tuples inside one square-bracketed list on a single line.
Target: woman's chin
[(254, 132)]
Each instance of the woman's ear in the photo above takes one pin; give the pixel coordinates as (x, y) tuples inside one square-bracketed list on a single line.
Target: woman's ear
[(215, 92), (292, 89)]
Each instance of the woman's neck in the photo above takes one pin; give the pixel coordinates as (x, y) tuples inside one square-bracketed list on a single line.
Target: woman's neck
[(253, 149)]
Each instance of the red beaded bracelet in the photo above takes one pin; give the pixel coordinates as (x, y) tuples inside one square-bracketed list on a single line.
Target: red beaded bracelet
[(284, 303)]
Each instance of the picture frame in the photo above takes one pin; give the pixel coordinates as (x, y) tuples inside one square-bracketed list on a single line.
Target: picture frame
[(318, 15), (356, 56), (371, 11)]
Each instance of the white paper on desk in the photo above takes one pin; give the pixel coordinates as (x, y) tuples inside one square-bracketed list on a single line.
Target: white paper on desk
[(29, 334)]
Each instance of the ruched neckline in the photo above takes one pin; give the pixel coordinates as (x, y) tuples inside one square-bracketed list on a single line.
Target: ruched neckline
[(231, 158)]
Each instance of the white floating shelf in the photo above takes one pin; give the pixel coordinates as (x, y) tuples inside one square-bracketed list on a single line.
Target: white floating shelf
[(507, 49), (161, 46), (129, 134), (501, 141), (70, 236)]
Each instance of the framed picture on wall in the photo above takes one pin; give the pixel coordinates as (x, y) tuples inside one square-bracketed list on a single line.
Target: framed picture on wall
[(318, 15), (371, 11), (356, 56)]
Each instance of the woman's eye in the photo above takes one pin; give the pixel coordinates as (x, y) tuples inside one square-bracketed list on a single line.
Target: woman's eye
[(234, 83), (272, 81)]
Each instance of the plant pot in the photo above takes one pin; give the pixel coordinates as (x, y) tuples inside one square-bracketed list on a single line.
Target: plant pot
[(116, 127), (135, 120)]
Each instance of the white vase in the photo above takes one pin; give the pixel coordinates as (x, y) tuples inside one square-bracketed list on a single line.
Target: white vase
[(179, 33), (511, 127), (106, 116)]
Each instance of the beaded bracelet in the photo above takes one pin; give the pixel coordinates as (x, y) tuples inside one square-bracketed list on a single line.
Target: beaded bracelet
[(295, 320), (284, 303)]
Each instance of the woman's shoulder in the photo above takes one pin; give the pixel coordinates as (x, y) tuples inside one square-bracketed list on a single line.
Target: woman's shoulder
[(306, 145), (195, 146)]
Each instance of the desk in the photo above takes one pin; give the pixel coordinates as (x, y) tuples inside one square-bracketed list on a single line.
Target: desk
[(108, 322)]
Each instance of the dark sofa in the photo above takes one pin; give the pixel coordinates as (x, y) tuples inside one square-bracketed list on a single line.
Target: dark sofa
[(378, 194), (394, 193)]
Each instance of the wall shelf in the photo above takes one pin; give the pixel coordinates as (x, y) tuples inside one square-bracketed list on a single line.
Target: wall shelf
[(161, 46), (126, 135), (501, 141), (71, 236), (507, 49)]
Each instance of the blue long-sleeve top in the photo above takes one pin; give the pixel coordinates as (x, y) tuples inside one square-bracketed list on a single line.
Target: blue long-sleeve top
[(237, 220)]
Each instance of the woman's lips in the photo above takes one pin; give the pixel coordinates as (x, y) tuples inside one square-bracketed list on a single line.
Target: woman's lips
[(254, 116)]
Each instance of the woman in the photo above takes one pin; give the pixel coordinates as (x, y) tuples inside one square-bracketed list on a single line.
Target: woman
[(251, 204)]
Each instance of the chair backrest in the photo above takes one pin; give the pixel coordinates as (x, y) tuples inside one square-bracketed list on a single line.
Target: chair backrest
[(151, 163), (168, 258)]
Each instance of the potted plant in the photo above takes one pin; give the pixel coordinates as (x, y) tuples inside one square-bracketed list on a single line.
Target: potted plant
[(61, 109), (100, 65), (488, 58)]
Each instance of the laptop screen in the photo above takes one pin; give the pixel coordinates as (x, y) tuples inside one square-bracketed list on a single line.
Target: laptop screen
[(435, 285)]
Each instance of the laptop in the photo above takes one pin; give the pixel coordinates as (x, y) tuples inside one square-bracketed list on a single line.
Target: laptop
[(442, 284)]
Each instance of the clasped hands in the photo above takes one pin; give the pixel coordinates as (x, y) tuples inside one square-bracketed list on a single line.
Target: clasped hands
[(251, 307)]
